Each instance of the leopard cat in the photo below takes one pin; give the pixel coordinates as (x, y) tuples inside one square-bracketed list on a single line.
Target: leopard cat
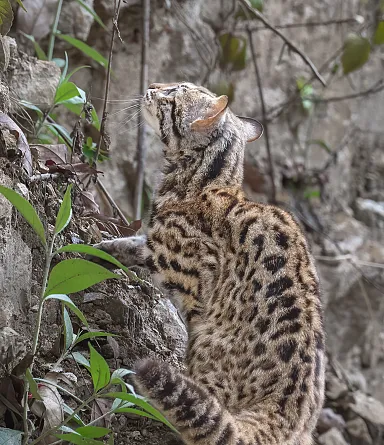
[(241, 275)]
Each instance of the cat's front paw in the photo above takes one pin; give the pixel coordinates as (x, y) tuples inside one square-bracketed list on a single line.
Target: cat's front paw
[(126, 250)]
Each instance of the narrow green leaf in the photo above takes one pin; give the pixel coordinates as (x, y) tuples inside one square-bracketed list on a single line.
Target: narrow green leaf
[(134, 411), (6, 17), (378, 38), (89, 335), (94, 432), (78, 440), (141, 403), (257, 4), (20, 3), (76, 274), (68, 329), (32, 385), (90, 250), (59, 62), (95, 118), (65, 211), (84, 48), (61, 133), (93, 13), (26, 209), (69, 303), (99, 369), (10, 437), (65, 70), (66, 91), (356, 53), (311, 193), (38, 49), (79, 358)]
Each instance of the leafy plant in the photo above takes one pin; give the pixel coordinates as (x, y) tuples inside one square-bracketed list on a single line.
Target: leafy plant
[(233, 52), (306, 94), (378, 38), (66, 277)]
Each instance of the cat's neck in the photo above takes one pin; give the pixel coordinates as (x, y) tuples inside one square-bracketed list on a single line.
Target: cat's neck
[(220, 164)]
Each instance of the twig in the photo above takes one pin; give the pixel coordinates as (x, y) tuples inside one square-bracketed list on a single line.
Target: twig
[(264, 115), (141, 148), (108, 81), (51, 45), (378, 86), (44, 177), (305, 24), (111, 201), (290, 44)]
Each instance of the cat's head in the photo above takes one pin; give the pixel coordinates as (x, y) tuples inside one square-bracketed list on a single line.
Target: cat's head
[(192, 114)]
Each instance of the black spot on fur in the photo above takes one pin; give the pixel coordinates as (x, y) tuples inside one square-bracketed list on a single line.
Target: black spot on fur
[(274, 263), (282, 240), (291, 315), (162, 262), (279, 286), (247, 224), (260, 348), (258, 241), (287, 349), (256, 286)]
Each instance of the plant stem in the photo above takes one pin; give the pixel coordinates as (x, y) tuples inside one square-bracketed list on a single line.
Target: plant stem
[(54, 30), (36, 334)]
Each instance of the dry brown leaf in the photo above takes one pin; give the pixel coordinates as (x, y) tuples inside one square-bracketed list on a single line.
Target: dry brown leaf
[(99, 408), (9, 397), (43, 153), (22, 144), (22, 366), (89, 203), (51, 407)]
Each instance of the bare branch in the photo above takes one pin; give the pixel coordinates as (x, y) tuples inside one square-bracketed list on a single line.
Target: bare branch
[(289, 43), (141, 148), (305, 24), (102, 137), (265, 123), (111, 201)]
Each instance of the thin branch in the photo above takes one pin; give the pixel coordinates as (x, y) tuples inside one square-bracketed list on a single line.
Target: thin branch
[(51, 44), (289, 43), (44, 177), (111, 201), (141, 148), (306, 24), (378, 86), (264, 115), (102, 137)]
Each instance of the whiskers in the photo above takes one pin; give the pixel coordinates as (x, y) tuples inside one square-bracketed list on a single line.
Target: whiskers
[(126, 118)]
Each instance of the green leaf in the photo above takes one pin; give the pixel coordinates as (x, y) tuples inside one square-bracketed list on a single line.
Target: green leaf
[(257, 4), (378, 38), (84, 48), (30, 106), (99, 370), (66, 91), (26, 209), (233, 52), (134, 411), (356, 53), (6, 17), (10, 437), (94, 432), (78, 440), (79, 358), (89, 335), (20, 3), (311, 193), (65, 212), (75, 71), (321, 144), (93, 13), (38, 49), (117, 379), (69, 303), (68, 329), (59, 62), (90, 250), (141, 403), (65, 70), (32, 385), (76, 274), (61, 132)]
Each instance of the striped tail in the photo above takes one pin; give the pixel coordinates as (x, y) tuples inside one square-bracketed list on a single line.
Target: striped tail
[(197, 414)]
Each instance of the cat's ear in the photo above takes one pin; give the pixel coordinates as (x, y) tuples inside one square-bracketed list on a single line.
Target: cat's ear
[(212, 116), (253, 128)]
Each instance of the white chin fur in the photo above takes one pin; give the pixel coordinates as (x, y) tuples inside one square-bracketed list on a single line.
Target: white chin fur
[(152, 121)]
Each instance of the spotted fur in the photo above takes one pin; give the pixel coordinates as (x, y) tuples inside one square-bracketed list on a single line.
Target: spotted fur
[(241, 274)]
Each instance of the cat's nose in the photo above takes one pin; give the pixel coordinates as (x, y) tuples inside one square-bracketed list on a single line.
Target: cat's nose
[(161, 86)]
